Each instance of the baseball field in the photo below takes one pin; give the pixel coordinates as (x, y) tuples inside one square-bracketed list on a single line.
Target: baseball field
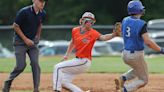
[(98, 79)]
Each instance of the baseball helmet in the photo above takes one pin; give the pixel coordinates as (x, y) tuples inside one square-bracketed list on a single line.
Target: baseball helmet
[(89, 15), (135, 7)]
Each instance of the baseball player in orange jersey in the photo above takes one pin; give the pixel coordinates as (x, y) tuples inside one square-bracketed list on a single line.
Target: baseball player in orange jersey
[(83, 39)]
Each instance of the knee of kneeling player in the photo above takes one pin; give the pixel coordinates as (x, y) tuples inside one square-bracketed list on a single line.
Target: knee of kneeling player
[(57, 66), (65, 83)]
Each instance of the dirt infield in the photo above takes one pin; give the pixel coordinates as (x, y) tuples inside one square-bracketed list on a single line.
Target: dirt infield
[(95, 82)]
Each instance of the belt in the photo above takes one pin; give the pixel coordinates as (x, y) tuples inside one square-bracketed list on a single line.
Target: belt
[(77, 57), (133, 51)]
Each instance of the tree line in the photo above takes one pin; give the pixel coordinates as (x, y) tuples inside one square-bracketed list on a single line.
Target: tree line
[(69, 11)]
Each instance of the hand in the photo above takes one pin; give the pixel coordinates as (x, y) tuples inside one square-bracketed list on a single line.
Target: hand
[(29, 42), (64, 58), (162, 50)]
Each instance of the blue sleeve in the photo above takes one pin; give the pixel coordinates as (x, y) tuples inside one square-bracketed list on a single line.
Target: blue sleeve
[(20, 17)]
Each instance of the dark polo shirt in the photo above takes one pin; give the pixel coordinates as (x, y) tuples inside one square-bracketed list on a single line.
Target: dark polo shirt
[(28, 22)]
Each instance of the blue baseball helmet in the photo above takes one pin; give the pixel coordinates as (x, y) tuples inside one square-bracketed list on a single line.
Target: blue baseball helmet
[(135, 7)]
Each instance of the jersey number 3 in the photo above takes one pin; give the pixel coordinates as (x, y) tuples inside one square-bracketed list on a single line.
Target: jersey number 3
[(128, 32)]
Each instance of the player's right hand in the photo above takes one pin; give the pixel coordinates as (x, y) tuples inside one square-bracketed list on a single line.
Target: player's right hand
[(29, 42), (64, 58)]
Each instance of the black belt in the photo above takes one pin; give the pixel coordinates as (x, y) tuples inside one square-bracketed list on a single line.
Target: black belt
[(132, 51), (78, 57)]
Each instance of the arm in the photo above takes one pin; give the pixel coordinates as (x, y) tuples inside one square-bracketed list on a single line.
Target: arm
[(69, 50), (107, 37), (116, 32), (150, 43), (38, 32), (27, 41)]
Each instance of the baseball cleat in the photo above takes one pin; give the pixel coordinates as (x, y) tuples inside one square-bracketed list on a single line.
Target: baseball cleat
[(6, 87), (124, 89), (56, 91), (119, 84)]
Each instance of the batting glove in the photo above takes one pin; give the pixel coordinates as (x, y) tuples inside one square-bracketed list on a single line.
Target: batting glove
[(162, 50)]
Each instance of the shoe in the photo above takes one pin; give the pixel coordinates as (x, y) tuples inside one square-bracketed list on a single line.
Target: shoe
[(5, 90), (119, 83), (122, 90), (56, 91), (36, 91), (125, 90), (6, 87)]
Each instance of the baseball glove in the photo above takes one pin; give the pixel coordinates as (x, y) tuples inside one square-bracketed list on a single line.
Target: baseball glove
[(117, 29)]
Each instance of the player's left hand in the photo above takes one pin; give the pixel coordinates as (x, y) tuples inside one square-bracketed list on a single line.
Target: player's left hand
[(117, 29)]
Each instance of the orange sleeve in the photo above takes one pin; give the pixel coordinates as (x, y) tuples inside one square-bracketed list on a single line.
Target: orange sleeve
[(96, 34)]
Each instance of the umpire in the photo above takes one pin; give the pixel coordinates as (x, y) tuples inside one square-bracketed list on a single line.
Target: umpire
[(27, 26)]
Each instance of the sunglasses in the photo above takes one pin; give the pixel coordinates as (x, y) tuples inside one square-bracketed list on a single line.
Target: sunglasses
[(88, 20)]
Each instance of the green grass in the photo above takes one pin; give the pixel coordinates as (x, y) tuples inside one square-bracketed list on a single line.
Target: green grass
[(107, 64)]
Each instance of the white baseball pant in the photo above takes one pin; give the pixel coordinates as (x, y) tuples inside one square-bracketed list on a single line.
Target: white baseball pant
[(64, 72)]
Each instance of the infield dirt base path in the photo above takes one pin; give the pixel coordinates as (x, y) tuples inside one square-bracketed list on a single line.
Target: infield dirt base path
[(96, 82)]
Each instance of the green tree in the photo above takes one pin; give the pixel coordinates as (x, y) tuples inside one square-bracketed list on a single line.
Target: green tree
[(154, 9), (9, 8), (70, 11)]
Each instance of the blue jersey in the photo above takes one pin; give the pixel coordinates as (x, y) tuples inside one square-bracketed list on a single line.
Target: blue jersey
[(131, 31)]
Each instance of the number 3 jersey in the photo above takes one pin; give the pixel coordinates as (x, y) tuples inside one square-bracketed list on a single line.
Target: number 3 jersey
[(132, 30)]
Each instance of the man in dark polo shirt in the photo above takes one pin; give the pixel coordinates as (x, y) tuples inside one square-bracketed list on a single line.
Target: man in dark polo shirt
[(27, 27)]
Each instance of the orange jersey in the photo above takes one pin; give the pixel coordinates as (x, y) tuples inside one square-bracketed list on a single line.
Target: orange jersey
[(84, 42)]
